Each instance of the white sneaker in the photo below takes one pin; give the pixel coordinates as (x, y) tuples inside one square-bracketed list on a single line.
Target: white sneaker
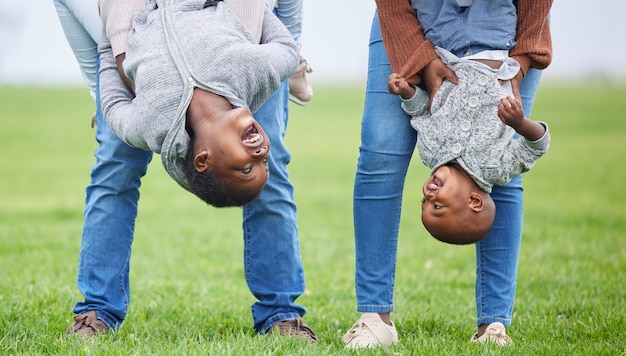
[(370, 331), (496, 333), (300, 92)]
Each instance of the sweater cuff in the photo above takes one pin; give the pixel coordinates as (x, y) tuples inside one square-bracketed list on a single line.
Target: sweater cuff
[(251, 14), (543, 143), (524, 63), (119, 43), (117, 20), (417, 61), (416, 104)]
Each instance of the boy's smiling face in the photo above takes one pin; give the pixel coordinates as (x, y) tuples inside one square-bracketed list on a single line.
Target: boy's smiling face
[(229, 142), (240, 148), (237, 148)]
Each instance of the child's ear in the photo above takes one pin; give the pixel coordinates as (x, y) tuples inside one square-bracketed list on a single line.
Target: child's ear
[(476, 202), (202, 161)]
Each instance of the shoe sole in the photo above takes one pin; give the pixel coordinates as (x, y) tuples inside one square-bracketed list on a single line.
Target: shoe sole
[(297, 101)]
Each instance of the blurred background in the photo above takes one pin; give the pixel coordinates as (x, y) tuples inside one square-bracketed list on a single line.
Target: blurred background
[(588, 42)]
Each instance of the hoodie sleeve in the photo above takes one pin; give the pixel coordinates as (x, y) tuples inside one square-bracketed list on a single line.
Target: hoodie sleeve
[(278, 44), (117, 101)]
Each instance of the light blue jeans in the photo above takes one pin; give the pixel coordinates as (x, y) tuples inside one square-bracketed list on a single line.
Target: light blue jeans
[(290, 14), (269, 223), (82, 28), (387, 145)]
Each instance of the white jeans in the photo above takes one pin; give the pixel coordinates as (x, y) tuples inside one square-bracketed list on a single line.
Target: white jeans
[(83, 29)]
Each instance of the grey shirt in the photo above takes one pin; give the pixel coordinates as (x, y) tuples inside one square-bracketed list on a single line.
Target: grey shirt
[(463, 126), (175, 46)]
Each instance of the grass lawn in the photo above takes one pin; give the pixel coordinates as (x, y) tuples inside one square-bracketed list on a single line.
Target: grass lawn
[(188, 291)]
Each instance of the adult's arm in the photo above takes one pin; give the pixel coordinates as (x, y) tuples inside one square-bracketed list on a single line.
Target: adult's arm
[(407, 48), (250, 13), (278, 44), (411, 55), (534, 41), (116, 16), (409, 51)]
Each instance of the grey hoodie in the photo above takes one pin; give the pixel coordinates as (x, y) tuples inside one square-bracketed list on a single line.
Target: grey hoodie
[(175, 46)]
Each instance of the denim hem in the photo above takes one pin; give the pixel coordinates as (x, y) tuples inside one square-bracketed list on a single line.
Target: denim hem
[(364, 308), (486, 320), (110, 322), (275, 319)]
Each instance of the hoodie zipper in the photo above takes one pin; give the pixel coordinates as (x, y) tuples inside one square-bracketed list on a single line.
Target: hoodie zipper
[(173, 44)]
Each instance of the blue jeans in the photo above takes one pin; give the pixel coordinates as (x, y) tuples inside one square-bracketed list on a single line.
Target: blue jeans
[(109, 224), (272, 260), (387, 145), (269, 224)]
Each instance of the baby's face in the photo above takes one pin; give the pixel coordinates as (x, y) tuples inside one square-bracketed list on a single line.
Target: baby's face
[(445, 194), (240, 148), (454, 209)]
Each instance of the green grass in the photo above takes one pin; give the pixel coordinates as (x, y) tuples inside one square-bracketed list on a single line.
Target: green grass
[(188, 291)]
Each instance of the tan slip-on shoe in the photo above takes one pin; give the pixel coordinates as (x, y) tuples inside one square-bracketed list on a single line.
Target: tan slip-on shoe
[(370, 331)]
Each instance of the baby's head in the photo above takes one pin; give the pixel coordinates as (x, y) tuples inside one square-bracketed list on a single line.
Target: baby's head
[(454, 209), (226, 161)]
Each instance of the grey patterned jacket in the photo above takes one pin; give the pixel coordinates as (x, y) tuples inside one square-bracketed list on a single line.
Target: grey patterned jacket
[(463, 127)]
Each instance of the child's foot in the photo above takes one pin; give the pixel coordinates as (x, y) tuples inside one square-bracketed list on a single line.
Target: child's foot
[(495, 333), (300, 92), (370, 331)]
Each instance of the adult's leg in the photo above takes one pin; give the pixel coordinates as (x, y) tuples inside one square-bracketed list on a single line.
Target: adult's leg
[(387, 144), (290, 14), (272, 260), (498, 253), (108, 227), (112, 195), (83, 28)]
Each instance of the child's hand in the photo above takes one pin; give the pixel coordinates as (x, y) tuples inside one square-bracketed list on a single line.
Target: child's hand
[(510, 112), (399, 86)]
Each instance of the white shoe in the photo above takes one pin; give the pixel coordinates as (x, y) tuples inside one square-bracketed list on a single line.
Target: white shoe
[(370, 331), (496, 333), (300, 92)]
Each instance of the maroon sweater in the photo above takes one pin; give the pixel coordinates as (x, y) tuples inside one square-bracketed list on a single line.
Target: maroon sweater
[(409, 51)]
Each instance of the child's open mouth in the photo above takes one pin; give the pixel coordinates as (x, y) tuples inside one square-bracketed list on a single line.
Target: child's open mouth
[(435, 183), (251, 135)]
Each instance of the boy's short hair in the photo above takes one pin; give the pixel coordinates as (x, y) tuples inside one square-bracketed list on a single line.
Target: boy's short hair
[(209, 187)]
